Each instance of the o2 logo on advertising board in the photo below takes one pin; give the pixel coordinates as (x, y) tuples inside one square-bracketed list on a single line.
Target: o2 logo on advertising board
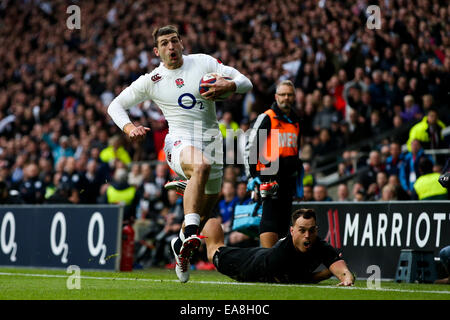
[(9, 246), (99, 248), (62, 248)]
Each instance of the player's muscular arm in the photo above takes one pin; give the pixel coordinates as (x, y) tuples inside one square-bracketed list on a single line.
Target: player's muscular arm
[(321, 275)]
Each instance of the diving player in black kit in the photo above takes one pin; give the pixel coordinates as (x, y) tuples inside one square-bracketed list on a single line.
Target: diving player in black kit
[(292, 260)]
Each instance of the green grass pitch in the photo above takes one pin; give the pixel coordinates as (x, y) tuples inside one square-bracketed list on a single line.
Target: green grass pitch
[(161, 284)]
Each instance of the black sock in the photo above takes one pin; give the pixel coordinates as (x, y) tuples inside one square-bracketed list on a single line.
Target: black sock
[(190, 230)]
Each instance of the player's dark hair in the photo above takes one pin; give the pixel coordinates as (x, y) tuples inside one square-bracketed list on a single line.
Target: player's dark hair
[(163, 31), (305, 213)]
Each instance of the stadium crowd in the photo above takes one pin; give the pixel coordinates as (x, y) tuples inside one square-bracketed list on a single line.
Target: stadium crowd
[(58, 145)]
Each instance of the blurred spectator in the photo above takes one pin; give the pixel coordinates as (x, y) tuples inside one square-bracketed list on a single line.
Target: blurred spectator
[(120, 192), (374, 165), (227, 123), (399, 134), (409, 171), (356, 82), (227, 204), (377, 91), (401, 194), (321, 193), (378, 125), (358, 126), (229, 174), (74, 178), (18, 169), (135, 177), (324, 144), (395, 159), (32, 189), (384, 151), (308, 193), (93, 182), (62, 192), (411, 111), (427, 102), (236, 238), (358, 192), (347, 167), (104, 172), (7, 196), (428, 131), (59, 149), (242, 194), (161, 177), (343, 192), (388, 193), (151, 202), (335, 88), (325, 114), (115, 150), (308, 177), (382, 181)]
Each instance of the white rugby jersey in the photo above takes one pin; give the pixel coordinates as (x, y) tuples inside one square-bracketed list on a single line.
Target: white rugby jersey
[(176, 92)]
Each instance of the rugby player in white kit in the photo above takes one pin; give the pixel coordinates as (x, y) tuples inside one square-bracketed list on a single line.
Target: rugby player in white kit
[(174, 87)]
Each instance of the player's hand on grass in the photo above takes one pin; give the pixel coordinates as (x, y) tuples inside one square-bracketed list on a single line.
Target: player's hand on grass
[(135, 133), (348, 280), (345, 283)]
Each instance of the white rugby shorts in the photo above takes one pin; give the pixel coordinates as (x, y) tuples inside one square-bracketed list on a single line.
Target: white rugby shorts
[(173, 146)]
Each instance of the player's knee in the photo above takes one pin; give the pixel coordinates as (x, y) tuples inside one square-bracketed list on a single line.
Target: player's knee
[(202, 169)]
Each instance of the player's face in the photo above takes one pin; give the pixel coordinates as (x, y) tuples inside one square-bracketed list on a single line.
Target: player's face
[(170, 50), (304, 233), (285, 98)]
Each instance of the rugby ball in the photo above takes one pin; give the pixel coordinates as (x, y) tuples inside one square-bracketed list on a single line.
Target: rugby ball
[(211, 78)]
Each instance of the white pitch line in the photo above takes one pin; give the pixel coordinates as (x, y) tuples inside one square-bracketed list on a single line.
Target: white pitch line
[(226, 283)]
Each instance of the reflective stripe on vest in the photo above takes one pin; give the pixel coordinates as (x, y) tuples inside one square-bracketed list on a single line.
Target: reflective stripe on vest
[(120, 196), (281, 141), (427, 186)]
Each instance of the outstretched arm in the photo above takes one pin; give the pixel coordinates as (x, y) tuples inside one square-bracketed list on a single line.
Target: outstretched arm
[(134, 94), (340, 270)]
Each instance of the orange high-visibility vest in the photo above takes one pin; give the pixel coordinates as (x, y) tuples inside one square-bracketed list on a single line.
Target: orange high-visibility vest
[(281, 141)]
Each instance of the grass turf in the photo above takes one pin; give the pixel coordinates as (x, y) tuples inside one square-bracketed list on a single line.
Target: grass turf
[(161, 284)]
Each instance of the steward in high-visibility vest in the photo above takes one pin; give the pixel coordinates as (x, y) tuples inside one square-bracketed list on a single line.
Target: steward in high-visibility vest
[(120, 192), (115, 150), (273, 153), (427, 186)]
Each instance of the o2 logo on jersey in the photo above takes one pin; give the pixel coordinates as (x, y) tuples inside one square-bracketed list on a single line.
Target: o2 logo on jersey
[(189, 101), (9, 246)]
